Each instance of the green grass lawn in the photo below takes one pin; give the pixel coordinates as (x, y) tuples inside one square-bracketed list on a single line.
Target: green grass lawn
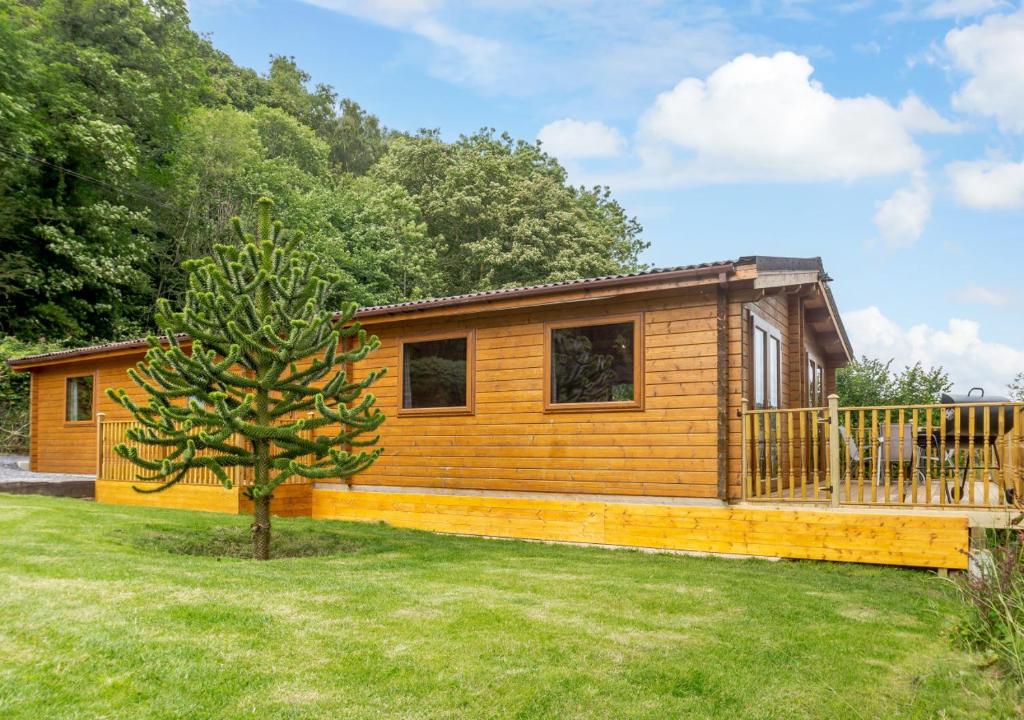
[(114, 612)]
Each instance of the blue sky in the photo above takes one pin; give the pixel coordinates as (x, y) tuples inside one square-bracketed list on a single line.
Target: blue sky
[(887, 137)]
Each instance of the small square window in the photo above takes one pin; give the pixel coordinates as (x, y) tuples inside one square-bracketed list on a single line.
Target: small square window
[(79, 394), (436, 374), (596, 365)]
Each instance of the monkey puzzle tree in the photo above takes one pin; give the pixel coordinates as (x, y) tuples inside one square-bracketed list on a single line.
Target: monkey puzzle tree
[(267, 364)]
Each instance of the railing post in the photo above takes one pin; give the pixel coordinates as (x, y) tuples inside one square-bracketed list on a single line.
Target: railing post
[(833, 447), (744, 460), (99, 444)]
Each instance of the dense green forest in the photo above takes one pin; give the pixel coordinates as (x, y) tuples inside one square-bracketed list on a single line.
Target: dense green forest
[(127, 142)]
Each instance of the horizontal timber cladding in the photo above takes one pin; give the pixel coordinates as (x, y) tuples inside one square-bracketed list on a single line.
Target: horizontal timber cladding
[(666, 447), (59, 446), (889, 539), (288, 501)]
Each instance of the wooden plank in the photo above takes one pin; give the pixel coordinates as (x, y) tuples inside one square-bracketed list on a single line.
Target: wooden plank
[(907, 539)]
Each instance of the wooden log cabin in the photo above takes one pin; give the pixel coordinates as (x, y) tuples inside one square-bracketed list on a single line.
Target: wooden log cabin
[(605, 410)]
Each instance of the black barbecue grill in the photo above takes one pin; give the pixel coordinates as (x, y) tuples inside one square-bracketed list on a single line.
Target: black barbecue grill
[(977, 413), (979, 409)]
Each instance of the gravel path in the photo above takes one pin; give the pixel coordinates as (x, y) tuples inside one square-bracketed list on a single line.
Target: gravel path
[(11, 473)]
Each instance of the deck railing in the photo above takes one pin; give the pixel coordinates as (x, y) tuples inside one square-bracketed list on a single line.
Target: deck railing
[(964, 455), (111, 466)]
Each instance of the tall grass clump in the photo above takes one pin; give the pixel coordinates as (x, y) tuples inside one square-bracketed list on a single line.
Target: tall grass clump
[(994, 595)]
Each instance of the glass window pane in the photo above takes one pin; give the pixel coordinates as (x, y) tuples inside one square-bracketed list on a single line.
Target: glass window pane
[(774, 355), (593, 363), (759, 365), (434, 374), (811, 393), (79, 399)]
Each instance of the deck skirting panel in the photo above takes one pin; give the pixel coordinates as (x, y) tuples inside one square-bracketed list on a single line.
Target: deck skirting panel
[(886, 539), (289, 500)]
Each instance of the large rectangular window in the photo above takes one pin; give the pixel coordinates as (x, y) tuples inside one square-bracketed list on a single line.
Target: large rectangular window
[(437, 375), (765, 364), (78, 398), (594, 365)]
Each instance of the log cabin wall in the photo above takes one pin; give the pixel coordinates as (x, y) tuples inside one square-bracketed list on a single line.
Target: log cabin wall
[(511, 442), (56, 445), (669, 448)]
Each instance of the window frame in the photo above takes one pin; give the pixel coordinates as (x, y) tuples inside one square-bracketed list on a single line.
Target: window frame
[(771, 332), (637, 403), (470, 407), (95, 397), (814, 391)]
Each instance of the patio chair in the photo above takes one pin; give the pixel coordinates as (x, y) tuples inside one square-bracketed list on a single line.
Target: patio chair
[(856, 454), (891, 451)]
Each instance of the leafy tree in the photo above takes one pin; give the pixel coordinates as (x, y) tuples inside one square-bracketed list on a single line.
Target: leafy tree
[(128, 142), (1016, 387), (870, 381), (505, 216), (267, 364), (14, 393), (73, 71)]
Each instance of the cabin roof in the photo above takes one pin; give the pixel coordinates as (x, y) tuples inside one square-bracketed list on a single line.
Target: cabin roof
[(782, 269)]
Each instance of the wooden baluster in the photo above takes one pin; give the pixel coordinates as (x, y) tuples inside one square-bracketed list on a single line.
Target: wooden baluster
[(956, 454), (928, 449), (789, 456), (815, 454), (986, 428), (971, 453), (887, 470), (1017, 452), (914, 460), (808, 469), (848, 456), (744, 439), (876, 457), (900, 419)]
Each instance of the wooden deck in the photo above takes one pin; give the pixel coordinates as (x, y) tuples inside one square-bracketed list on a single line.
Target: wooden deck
[(968, 456)]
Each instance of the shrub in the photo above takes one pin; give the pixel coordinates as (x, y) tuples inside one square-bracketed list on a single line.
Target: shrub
[(14, 390), (994, 596)]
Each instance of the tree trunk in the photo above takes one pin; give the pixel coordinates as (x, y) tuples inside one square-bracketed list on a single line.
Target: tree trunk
[(261, 528)]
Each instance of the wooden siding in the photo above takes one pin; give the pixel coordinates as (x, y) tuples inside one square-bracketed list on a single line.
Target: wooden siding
[(667, 448), (59, 446), (289, 500), (890, 539)]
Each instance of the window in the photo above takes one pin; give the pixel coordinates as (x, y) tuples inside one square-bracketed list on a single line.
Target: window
[(815, 383), (765, 365), (594, 365), (436, 375), (78, 398)]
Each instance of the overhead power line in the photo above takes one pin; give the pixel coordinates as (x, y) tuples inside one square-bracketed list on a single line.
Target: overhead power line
[(84, 177)]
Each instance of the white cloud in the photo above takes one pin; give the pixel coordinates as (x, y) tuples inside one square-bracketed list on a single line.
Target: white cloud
[(992, 54), (570, 139), (961, 8), (918, 117), (972, 294), (764, 118), (959, 348), (988, 184), (595, 47), (463, 56), (901, 218)]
